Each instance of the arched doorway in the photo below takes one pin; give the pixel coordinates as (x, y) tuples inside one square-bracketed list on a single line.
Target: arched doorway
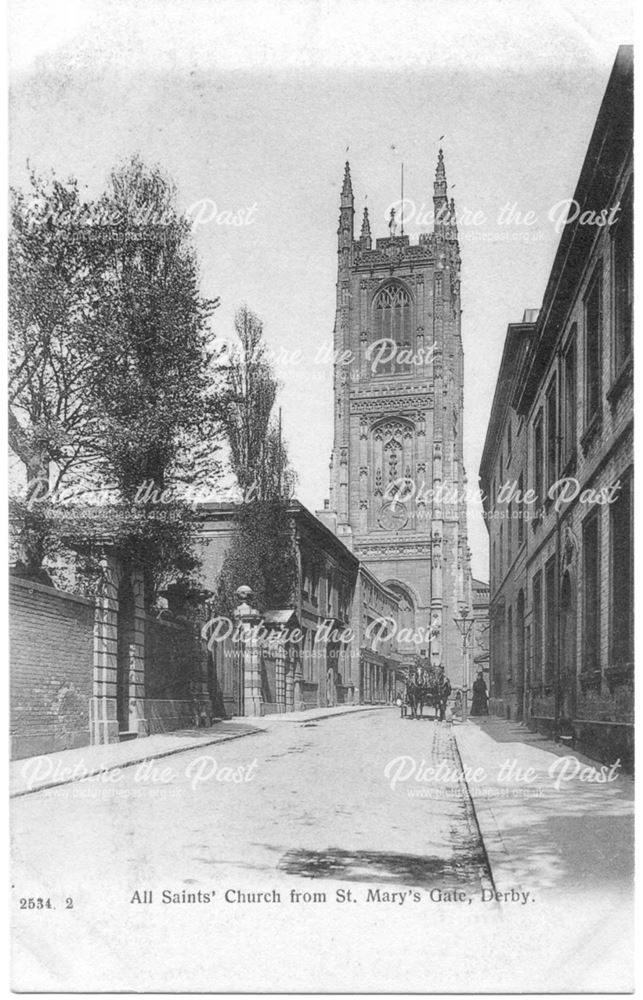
[(567, 691), (125, 633)]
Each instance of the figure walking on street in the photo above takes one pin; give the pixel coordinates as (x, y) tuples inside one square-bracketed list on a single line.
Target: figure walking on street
[(480, 702)]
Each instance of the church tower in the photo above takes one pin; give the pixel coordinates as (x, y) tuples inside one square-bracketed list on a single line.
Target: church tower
[(397, 474)]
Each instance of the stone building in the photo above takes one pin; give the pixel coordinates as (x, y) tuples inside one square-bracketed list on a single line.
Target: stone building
[(375, 623), (334, 659), (397, 472), (504, 481), (562, 589)]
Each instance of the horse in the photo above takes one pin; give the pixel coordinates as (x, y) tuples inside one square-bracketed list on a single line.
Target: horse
[(418, 693), (427, 687)]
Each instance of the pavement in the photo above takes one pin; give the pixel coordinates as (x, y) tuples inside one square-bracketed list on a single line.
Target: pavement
[(33, 774), (548, 816)]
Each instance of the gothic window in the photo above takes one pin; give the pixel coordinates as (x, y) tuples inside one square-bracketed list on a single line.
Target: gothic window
[(392, 322), (392, 457)]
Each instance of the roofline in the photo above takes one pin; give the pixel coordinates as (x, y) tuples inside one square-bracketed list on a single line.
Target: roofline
[(363, 568), (615, 120), (296, 508), (502, 398)]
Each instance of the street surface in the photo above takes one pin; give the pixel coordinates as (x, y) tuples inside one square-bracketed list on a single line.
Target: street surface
[(302, 801), (316, 852)]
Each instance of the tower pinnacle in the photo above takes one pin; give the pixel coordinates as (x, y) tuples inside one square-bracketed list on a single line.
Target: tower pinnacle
[(453, 218), (365, 235), (347, 187), (440, 201), (346, 215)]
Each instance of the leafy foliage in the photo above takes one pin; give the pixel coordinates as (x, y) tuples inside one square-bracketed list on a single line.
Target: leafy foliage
[(263, 554), (150, 341), (51, 302), (113, 375)]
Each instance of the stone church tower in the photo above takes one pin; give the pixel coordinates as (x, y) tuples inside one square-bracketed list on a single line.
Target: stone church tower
[(398, 397)]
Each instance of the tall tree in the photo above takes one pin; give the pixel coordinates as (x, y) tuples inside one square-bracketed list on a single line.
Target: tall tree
[(151, 336), (262, 554), (52, 423), (50, 304), (114, 375), (252, 390)]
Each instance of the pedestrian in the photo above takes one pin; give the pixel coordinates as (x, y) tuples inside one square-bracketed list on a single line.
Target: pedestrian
[(480, 702)]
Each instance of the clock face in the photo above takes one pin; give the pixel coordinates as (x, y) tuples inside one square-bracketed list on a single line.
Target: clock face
[(393, 515)]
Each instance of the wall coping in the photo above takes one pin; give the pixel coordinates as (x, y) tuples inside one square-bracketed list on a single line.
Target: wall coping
[(41, 588)]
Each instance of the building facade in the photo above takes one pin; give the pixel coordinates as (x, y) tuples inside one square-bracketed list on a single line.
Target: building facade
[(376, 621), (562, 591), (504, 481), (397, 470), (336, 658)]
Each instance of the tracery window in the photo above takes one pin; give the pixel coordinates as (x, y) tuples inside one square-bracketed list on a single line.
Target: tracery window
[(391, 464), (392, 321)]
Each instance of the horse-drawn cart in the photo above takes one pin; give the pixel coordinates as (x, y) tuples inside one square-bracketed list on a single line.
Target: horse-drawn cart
[(425, 686)]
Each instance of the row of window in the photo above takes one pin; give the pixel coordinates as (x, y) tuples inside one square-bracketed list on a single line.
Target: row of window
[(555, 426), (548, 605), (337, 592), (554, 612)]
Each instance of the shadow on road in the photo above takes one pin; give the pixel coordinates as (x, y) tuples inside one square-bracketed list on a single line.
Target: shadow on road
[(380, 866), (218, 728)]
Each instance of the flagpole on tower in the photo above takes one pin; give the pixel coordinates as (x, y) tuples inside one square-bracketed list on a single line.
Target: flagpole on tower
[(402, 204)]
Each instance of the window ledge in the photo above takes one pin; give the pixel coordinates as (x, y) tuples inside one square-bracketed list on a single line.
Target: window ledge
[(620, 383)]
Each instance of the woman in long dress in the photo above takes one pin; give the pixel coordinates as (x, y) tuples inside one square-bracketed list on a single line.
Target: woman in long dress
[(479, 704)]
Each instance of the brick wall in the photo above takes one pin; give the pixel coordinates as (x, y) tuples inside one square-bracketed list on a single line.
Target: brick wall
[(52, 644)]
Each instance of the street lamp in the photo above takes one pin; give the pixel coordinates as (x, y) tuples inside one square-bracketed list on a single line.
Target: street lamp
[(464, 624)]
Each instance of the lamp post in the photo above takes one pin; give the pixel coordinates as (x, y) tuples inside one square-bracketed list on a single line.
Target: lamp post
[(464, 624)]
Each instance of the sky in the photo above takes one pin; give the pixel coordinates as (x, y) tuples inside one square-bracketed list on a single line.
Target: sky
[(252, 109)]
